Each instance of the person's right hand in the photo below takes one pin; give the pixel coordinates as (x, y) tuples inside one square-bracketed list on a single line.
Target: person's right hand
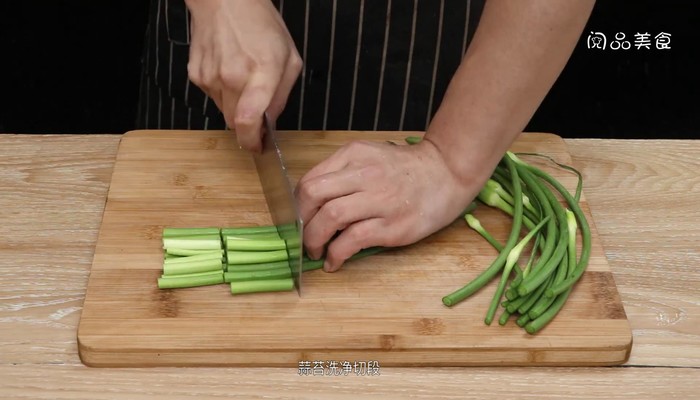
[(242, 56)]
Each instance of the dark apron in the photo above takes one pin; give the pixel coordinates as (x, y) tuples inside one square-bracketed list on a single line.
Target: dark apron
[(368, 64)]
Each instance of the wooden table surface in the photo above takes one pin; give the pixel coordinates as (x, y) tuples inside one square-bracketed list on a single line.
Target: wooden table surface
[(643, 196)]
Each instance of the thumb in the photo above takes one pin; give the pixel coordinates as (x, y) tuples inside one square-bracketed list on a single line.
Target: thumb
[(252, 104)]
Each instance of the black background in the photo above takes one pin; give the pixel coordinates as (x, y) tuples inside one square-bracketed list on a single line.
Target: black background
[(73, 67)]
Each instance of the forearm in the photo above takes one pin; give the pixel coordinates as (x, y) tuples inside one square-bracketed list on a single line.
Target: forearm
[(517, 53)]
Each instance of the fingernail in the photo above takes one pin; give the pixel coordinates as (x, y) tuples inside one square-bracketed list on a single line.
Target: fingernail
[(327, 266)]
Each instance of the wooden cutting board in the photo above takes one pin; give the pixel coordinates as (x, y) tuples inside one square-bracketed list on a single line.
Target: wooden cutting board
[(385, 309)]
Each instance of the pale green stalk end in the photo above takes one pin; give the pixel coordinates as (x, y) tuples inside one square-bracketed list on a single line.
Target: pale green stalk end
[(493, 199), (515, 158), (572, 225), (473, 222), (514, 254), (496, 187), (527, 204)]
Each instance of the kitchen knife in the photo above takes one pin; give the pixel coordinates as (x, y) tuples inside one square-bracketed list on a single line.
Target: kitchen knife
[(280, 198)]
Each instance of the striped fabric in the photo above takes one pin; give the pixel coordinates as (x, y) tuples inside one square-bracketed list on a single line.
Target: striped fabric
[(368, 64)]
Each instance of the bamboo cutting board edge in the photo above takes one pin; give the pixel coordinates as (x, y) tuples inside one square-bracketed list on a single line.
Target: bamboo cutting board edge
[(92, 354)]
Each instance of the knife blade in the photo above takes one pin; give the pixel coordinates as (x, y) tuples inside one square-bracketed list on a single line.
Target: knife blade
[(280, 198)]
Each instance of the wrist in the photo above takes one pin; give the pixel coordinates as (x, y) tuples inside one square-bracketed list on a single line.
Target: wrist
[(459, 187), (468, 151)]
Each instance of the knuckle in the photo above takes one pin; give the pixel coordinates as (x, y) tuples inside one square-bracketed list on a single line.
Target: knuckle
[(339, 251), (298, 189), (308, 190), (244, 122), (302, 189), (359, 146), (267, 59), (354, 146), (313, 242), (358, 235), (334, 213), (295, 62), (336, 255), (209, 79), (372, 171), (233, 77), (194, 73), (392, 238)]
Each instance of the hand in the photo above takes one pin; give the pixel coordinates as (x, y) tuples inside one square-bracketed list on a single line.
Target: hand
[(377, 194), (242, 56)]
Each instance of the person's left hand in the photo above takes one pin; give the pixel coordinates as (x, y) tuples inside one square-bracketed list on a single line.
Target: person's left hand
[(377, 194)]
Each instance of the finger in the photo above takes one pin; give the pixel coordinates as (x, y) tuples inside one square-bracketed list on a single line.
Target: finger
[(358, 236), (334, 163), (232, 79), (202, 74), (208, 73), (337, 161), (253, 102), (228, 106), (289, 78), (333, 216), (194, 68), (314, 193), (194, 63)]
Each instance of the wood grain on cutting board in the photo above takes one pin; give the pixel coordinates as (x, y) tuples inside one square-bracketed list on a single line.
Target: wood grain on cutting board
[(384, 308)]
